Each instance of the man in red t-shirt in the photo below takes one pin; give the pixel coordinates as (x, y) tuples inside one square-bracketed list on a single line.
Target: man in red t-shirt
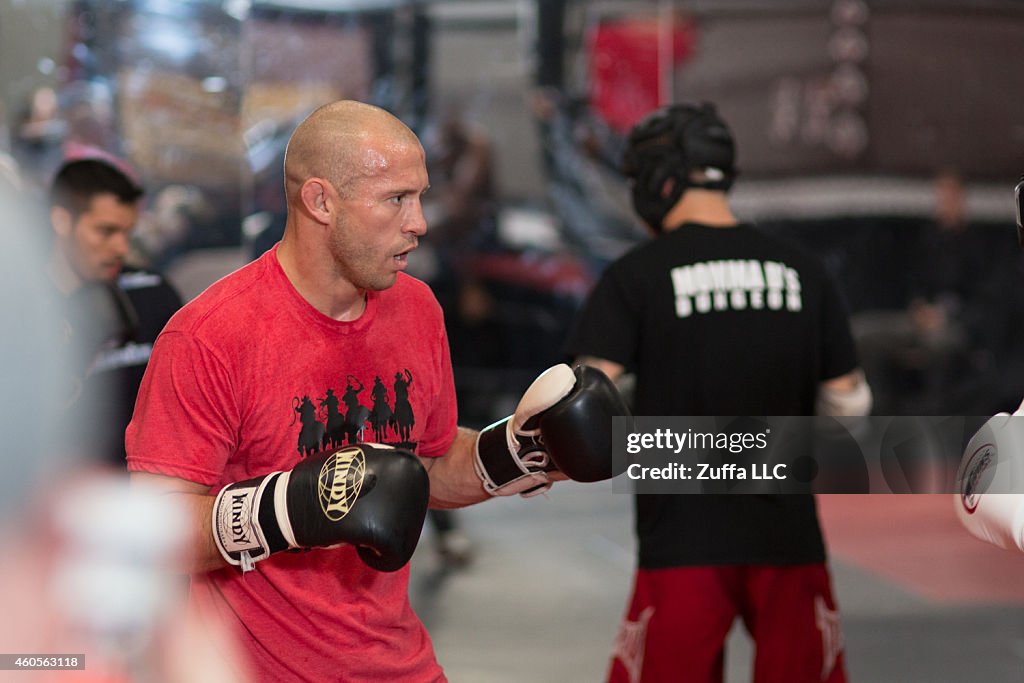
[(259, 393)]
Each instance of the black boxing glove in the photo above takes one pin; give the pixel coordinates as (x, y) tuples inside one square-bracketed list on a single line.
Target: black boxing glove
[(368, 495), (563, 422)]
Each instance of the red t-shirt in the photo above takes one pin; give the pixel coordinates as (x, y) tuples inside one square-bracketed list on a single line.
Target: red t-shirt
[(249, 378)]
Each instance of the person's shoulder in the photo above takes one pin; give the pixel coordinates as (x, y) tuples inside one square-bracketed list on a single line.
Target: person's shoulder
[(135, 278), (149, 287), (638, 254), (232, 295), (410, 298), (409, 288), (785, 248), (153, 298)]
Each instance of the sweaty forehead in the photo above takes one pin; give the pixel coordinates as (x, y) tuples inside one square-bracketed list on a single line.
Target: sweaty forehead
[(380, 154)]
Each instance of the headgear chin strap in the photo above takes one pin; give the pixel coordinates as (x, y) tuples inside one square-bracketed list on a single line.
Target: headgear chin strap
[(666, 147)]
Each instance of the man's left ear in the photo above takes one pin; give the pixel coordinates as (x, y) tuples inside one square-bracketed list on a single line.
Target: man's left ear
[(60, 219), (317, 196)]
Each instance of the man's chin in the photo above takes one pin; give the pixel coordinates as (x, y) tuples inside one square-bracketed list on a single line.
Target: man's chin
[(109, 274), (379, 283), (386, 282)]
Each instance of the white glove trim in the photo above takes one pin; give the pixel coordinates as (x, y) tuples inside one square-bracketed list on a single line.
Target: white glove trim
[(235, 519), (281, 509)]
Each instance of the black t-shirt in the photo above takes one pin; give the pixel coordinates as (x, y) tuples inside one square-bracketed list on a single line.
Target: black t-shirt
[(720, 321), (143, 303)]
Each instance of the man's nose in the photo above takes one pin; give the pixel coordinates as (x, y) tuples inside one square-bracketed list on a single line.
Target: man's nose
[(120, 244), (417, 222)]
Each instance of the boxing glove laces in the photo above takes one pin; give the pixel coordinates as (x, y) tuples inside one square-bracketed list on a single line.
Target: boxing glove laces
[(563, 423)]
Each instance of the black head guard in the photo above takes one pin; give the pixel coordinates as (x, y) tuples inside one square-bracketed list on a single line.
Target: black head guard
[(666, 146)]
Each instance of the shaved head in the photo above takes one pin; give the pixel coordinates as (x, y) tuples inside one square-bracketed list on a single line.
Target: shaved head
[(342, 142)]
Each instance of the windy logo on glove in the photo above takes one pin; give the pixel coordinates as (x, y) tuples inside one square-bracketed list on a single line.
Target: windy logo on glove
[(340, 481)]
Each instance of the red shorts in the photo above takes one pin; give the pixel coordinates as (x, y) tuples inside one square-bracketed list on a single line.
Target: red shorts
[(679, 618)]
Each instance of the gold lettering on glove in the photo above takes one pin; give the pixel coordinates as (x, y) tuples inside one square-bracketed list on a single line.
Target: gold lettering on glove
[(340, 481)]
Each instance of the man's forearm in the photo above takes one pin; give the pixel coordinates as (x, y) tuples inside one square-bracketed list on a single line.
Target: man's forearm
[(200, 553), (454, 482)]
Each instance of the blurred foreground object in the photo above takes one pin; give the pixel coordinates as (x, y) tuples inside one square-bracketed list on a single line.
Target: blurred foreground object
[(990, 482), (90, 576)]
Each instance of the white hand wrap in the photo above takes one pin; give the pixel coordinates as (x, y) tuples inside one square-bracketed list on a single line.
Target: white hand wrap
[(853, 403)]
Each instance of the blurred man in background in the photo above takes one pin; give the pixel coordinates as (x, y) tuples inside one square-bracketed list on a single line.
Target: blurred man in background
[(114, 311), (927, 357)]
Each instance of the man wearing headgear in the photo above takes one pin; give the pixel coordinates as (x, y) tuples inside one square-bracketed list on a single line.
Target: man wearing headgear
[(715, 317)]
